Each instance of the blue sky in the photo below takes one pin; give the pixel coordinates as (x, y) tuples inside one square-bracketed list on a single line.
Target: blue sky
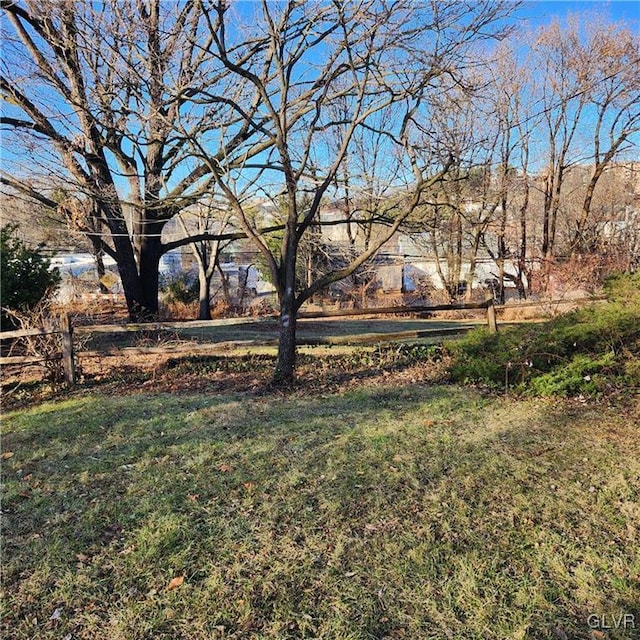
[(543, 10)]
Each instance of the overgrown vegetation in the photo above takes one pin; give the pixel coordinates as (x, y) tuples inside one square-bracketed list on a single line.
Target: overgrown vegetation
[(26, 277), (406, 512), (590, 351)]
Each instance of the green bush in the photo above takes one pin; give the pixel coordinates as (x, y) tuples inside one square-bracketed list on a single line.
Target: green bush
[(624, 287), (582, 375), (26, 276), (578, 352), (480, 357), (632, 371)]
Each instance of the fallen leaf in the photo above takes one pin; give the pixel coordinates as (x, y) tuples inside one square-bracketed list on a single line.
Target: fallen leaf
[(225, 468), (56, 615), (349, 574), (175, 583), (249, 486), (428, 423), (598, 635), (6, 455)]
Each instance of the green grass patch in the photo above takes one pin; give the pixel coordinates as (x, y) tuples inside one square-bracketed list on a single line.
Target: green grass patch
[(390, 512), (591, 351)]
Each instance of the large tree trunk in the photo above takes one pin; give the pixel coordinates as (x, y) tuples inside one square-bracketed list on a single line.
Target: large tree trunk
[(140, 279), (286, 362), (204, 308), (285, 365), (128, 270), (140, 287), (140, 282), (204, 295), (150, 254)]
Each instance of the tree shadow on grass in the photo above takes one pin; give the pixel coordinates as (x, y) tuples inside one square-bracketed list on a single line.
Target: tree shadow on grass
[(464, 513)]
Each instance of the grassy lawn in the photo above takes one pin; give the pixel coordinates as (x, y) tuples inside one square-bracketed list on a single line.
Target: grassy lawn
[(408, 511), (267, 330)]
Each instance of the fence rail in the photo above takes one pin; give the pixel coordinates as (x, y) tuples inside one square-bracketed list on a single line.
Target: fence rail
[(67, 331), (337, 313), (550, 303), (133, 327), (27, 333)]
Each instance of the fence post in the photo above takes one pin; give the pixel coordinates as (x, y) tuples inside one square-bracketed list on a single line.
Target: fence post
[(67, 350), (492, 323)]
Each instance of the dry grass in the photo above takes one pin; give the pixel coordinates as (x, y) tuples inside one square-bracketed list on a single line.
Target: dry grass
[(382, 512)]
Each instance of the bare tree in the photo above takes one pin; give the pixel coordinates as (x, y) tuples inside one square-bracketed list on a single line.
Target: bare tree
[(563, 93), (610, 57), (510, 116), (99, 95), (334, 71), (209, 220), (589, 101), (462, 207)]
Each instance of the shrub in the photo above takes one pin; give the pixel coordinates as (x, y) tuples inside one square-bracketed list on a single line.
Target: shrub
[(579, 352), (624, 287), (26, 277), (582, 375)]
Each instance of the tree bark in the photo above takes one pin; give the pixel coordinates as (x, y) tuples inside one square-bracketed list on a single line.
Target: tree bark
[(224, 280), (286, 362), (150, 254), (204, 296)]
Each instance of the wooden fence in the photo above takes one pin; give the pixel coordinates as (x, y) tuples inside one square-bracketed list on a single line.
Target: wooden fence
[(67, 331)]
